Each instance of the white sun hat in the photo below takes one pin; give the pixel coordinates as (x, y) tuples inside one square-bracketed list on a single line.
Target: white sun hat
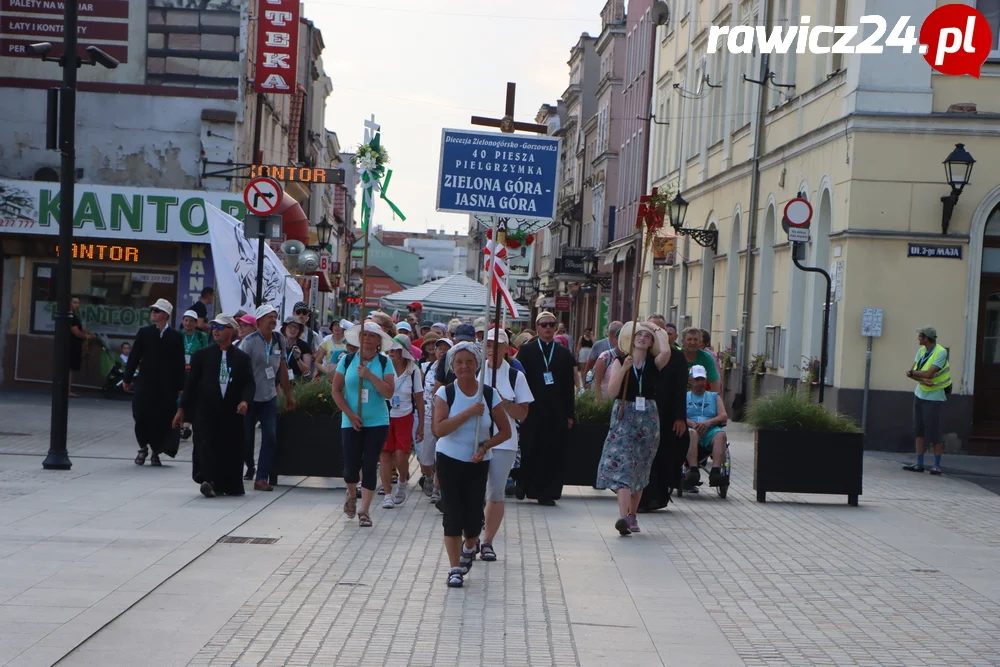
[(353, 335)]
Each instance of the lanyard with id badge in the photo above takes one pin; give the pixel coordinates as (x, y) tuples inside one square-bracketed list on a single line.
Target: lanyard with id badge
[(547, 375), (268, 369), (640, 400)]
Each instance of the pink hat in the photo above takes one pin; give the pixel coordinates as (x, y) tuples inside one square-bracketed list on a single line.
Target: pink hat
[(562, 339), (249, 319)]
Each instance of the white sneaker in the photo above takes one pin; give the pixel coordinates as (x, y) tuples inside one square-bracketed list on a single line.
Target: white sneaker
[(388, 504), (435, 495), (400, 495)]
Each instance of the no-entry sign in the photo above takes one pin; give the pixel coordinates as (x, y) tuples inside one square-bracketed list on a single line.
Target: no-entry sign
[(262, 196), (798, 212)]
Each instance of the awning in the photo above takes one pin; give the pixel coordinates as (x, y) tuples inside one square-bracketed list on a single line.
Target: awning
[(324, 281), (617, 251), (294, 223)]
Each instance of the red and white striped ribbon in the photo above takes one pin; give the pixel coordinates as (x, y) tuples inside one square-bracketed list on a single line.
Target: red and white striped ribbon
[(493, 249)]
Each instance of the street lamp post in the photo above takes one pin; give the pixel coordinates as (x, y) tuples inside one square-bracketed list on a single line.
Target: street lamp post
[(958, 170), (58, 456)]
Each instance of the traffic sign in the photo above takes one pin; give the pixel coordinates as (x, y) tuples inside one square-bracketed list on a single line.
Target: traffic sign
[(798, 234), (798, 212), (262, 196), (871, 322)]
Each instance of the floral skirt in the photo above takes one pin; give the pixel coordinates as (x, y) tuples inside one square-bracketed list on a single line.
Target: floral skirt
[(630, 448)]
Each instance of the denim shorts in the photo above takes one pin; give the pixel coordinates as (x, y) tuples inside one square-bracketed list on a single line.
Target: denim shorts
[(927, 420)]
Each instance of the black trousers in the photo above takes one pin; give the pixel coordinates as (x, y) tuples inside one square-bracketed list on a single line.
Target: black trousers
[(463, 491), (361, 451)]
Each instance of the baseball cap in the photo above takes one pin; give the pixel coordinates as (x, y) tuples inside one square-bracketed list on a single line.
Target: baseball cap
[(441, 326), (415, 306), (929, 332), (247, 318), (404, 326), (699, 372), (465, 333), (300, 305), (190, 313), (542, 315), (427, 324), (502, 338), (480, 324), (224, 320), (345, 324)]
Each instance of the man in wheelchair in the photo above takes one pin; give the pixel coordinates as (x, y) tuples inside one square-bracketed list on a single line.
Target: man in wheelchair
[(706, 414)]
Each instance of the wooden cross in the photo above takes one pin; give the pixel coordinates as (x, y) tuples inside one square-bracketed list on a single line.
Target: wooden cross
[(507, 124)]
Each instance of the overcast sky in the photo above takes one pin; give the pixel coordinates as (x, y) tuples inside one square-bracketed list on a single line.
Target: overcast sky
[(426, 65)]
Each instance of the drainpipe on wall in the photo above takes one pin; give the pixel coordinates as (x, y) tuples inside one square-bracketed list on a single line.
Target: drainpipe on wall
[(741, 399)]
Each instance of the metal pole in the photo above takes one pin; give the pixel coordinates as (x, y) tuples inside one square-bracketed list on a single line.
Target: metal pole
[(261, 239), (826, 321), (501, 238), (489, 287), (58, 457), (868, 377), (758, 150)]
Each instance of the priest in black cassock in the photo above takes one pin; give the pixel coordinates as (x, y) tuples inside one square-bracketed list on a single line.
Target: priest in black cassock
[(158, 358), (671, 401), (221, 385), (548, 367)]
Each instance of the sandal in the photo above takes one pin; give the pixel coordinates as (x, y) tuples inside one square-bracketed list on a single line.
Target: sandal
[(486, 552), (155, 461), (468, 557), (351, 504), (364, 521), (455, 578), (141, 458)]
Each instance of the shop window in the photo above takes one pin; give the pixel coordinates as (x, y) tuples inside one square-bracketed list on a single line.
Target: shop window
[(113, 301)]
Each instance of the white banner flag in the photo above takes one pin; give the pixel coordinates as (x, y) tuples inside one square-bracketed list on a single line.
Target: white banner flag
[(235, 259)]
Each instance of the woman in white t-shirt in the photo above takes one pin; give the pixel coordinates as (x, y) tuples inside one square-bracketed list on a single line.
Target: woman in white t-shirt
[(408, 392), (462, 461), (427, 452), (514, 400)]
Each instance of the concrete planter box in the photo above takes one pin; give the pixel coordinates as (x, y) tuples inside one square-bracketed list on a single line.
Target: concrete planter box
[(308, 446), (582, 456), (808, 462)]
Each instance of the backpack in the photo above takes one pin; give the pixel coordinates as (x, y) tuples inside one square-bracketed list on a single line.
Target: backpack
[(449, 392)]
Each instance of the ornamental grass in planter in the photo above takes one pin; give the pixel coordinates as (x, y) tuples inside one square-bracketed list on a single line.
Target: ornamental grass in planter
[(804, 447), (309, 435), (590, 430)]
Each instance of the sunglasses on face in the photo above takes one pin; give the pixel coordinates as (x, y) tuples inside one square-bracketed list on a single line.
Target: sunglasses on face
[(301, 312), (218, 327), (546, 325), (153, 311)]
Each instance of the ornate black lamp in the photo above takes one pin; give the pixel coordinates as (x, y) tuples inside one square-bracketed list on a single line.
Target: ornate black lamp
[(323, 232), (590, 269), (677, 211), (958, 171)]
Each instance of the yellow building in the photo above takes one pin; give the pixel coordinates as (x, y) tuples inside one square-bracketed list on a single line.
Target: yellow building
[(862, 138)]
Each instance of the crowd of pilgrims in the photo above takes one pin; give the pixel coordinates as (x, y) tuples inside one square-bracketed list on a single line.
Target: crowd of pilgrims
[(479, 434)]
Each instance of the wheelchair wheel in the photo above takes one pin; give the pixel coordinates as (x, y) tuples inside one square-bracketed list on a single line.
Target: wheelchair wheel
[(723, 490)]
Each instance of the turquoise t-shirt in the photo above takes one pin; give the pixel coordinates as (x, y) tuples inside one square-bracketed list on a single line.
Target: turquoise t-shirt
[(375, 412), (939, 360)]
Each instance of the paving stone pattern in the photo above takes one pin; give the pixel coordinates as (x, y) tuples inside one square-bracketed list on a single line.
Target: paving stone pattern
[(371, 597)]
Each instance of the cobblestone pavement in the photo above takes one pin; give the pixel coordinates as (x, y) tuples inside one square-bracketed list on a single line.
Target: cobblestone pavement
[(910, 577)]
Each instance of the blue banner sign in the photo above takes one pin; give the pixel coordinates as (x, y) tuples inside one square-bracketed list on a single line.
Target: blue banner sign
[(498, 174), (925, 250)]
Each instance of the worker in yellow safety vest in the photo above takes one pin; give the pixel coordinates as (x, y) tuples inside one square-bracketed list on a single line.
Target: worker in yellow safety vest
[(932, 373)]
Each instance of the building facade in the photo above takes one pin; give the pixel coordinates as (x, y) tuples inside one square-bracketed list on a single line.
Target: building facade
[(862, 138)]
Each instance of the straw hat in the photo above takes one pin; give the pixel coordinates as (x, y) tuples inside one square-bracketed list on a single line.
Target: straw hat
[(353, 335), (625, 337)]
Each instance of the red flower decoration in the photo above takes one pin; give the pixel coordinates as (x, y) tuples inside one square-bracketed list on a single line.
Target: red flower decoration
[(529, 239), (652, 211)]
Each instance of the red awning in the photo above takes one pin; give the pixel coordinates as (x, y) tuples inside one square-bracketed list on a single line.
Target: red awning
[(295, 224), (324, 281)]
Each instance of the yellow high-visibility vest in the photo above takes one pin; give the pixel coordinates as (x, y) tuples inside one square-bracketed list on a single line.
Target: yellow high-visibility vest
[(942, 380)]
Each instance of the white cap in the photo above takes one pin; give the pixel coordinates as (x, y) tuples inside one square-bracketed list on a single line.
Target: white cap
[(699, 372), (345, 324), (502, 338), (190, 313), (223, 319), (404, 326), (164, 305), (263, 310)]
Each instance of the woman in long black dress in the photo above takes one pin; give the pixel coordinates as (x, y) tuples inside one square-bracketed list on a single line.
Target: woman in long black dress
[(665, 475)]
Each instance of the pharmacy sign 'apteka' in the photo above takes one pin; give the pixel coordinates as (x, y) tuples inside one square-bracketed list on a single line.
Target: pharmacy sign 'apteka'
[(277, 46), (498, 174)]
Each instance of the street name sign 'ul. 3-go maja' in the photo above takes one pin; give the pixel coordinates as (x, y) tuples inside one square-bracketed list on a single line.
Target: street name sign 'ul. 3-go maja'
[(498, 174)]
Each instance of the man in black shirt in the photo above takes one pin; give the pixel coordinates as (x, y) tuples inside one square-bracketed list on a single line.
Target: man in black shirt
[(201, 307)]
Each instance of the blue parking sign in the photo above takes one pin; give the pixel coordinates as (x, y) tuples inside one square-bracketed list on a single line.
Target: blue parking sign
[(498, 174)]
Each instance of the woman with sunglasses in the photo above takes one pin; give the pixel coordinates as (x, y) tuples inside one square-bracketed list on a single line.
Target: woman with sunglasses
[(635, 430)]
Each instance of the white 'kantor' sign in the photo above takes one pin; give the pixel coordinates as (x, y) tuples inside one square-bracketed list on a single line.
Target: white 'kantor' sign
[(262, 196), (871, 322)]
